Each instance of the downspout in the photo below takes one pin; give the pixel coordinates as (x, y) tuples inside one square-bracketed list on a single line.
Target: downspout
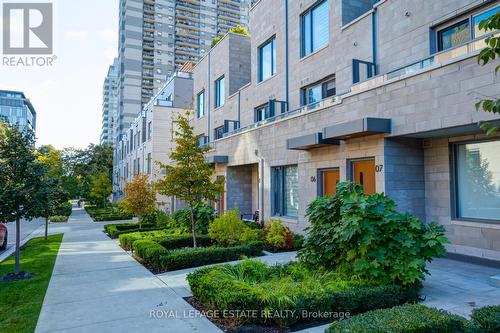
[(261, 190), (239, 108), (209, 103), (286, 55), (374, 40)]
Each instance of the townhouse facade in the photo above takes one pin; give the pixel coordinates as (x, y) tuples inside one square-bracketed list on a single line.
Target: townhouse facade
[(150, 138), (378, 92)]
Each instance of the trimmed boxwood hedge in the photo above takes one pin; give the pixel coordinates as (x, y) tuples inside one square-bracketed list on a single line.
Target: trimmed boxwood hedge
[(409, 318), (178, 242), (190, 257), (488, 318), (115, 230), (292, 289), (127, 240), (107, 214), (149, 252)]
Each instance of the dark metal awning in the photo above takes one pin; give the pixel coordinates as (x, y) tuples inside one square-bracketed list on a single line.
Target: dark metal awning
[(310, 141), (217, 159), (357, 128)]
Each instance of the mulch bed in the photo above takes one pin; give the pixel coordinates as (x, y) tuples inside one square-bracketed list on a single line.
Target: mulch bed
[(14, 277)]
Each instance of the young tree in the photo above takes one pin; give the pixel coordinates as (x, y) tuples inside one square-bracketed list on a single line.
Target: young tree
[(140, 197), (100, 189), (190, 179), (20, 179), (49, 198), (490, 53)]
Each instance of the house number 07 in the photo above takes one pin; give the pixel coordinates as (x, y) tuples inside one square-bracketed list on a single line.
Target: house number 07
[(379, 168)]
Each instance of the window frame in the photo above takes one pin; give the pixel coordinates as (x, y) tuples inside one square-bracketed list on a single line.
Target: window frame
[(453, 155), (200, 94), (436, 44), (322, 82), (217, 131), (303, 24), (278, 208), (260, 73), (220, 94)]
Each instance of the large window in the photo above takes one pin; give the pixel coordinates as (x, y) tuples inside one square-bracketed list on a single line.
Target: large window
[(219, 92), (464, 30), (262, 112), (480, 17), (267, 59), (318, 91), (219, 132), (150, 130), (314, 28), (200, 103), (285, 191), (454, 35), (149, 163), (477, 180)]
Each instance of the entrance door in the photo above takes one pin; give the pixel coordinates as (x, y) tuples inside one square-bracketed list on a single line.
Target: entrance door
[(364, 174), (330, 178)]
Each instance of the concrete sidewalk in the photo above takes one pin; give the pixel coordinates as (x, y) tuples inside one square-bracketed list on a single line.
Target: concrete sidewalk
[(98, 287)]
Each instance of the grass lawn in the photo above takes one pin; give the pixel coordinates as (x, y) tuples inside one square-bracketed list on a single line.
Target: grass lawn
[(21, 301)]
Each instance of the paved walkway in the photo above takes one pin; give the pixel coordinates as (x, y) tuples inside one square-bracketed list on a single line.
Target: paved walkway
[(29, 229), (98, 287)]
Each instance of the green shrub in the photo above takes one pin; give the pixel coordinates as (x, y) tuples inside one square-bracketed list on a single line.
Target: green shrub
[(177, 242), (488, 318), (193, 257), (277, 236), (58, 218), (228, 229), (291, 289), (298, 241), (203, 215), (410, 318), (107, 214), (64, 209), (365, 235), (117, 229), (127, 240), (150, 252)]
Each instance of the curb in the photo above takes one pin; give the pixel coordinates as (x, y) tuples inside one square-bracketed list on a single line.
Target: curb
[(35, 233)]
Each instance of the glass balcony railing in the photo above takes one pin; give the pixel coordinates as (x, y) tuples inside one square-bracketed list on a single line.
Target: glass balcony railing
[(188, 23), (149, 26), (227, 23), (227, 14), (234, 8), (438, 58), (187, 14)]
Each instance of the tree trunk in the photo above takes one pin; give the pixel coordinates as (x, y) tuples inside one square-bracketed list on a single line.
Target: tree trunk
[(18, 244), (193, 226), (46, 227)]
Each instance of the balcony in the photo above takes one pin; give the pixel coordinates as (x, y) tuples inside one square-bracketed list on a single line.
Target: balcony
[(190, 42), (421, 65), (188, 24), (226, 24), (229, 8), (181, 14), (148, 45), (148, 18), (148, 26), (148, 63), (187, 6), (186, 58), (231, 2), (149, 9), (148, 2), (187, 33), (229, 17), (187, 51), (148, 55), (148, 35)]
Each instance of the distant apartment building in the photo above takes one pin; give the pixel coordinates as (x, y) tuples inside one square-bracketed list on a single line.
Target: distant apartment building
[(17, 110), (156, 37), (110, 104), (149, 139), (381, 93)]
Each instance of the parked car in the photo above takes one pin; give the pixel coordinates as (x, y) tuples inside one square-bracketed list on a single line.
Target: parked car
[(3, 236)]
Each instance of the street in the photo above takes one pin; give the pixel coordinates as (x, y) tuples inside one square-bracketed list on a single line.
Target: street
[(27, 227)]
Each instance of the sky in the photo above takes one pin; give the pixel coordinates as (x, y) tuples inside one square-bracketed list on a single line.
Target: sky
[(68, 96)]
